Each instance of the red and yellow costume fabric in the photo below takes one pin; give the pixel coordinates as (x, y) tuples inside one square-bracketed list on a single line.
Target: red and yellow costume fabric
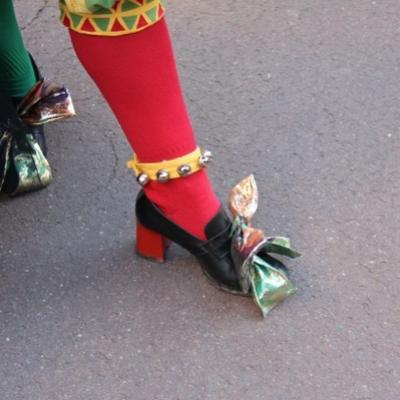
[(110, 17)]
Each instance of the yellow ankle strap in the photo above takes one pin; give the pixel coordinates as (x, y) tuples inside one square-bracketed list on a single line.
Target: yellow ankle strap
[(169, 169)]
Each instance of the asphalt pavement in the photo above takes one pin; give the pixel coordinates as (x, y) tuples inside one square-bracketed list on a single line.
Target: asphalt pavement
[(302, 93)]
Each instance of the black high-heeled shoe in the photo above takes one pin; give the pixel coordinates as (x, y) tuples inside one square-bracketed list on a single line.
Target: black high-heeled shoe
[(154, 232), (235, 256), (23, 164), (21, 131)]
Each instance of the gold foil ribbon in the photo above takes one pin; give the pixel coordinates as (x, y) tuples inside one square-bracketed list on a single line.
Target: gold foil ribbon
[(265, 276), (46, 102)]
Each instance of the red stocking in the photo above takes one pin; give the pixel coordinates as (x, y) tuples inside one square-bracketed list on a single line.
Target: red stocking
[(136, 74)]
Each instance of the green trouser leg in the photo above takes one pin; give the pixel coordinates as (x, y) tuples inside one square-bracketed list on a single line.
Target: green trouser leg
[(16, 72)]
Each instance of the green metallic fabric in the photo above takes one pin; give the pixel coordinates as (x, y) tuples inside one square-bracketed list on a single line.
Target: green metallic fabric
[(5, 150), (267, 277), (32, 168), (259, 272), (23, 166)]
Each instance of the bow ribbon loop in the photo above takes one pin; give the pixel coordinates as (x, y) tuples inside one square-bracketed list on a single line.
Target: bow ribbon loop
[(46, 102), (259, 272)]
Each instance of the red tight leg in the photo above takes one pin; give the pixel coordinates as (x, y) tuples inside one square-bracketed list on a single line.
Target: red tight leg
[(136, 73)]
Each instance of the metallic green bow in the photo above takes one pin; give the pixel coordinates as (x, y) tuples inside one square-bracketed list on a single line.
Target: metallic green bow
[(259, 272), (21, 158)]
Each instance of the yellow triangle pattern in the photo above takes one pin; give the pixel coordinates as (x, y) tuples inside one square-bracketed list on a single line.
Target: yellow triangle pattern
[(86, 22)]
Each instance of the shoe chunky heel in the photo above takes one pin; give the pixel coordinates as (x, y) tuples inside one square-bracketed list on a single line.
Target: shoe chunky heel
[(150, 244)]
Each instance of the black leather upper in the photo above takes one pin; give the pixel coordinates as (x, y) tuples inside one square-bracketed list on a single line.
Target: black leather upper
[(213, 254)]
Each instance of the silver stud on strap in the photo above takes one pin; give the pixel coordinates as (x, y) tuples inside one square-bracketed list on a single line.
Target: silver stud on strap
[(205, 158), (162, 175), (184, 169), (142, 179)]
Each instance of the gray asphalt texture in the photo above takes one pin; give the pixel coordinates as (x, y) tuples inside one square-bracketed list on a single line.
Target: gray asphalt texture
[(305, 94)]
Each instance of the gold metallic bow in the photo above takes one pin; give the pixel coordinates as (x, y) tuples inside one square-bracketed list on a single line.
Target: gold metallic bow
[(259, 272), (21, 158)]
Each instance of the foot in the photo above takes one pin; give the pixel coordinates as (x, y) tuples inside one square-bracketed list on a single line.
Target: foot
[(189, 202)]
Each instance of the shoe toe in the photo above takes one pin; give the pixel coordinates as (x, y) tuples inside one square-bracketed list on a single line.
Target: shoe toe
[(222, 273)]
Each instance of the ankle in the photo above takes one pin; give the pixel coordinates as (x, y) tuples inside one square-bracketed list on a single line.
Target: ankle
[(190, 202)]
